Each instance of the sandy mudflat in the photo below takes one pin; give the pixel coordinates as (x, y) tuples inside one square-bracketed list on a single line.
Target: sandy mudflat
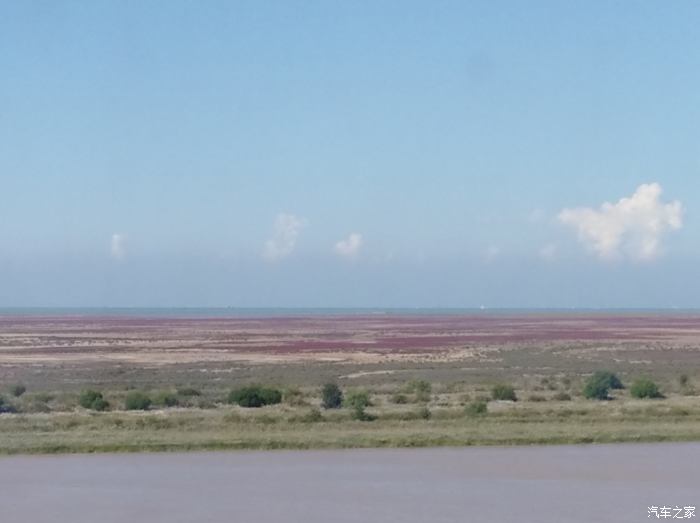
[(602, 483)]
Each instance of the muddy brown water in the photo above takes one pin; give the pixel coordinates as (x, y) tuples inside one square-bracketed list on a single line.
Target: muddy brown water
[(575, 484)]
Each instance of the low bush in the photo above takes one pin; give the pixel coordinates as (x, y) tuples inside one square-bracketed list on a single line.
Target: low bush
[(357, 398), (562, 396), (100, 405), (6, 408), (609, 378), (93, 400), (313, 416), (503, 392), (476, 408), (597, 387), (399, 399), (424, 413), (188, 391), (331, 396), (166, 399), (255, 396), (137, 400), (294, 397), (17, 390), (644, 388), (536, 398), (421, 390), (358, 401)]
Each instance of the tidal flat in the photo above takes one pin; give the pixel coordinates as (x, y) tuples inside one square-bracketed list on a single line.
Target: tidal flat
[(429, 380)]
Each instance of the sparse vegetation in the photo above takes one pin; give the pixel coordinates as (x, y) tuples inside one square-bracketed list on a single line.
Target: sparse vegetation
[(17, 390), (420, 389), (476, 408), (166, 399), (358, 401), (137, 400), (255, 396), (399, 398), (188, 391), (536, 398), (562, 396), (503, 392), (93, 400), (644, 388), (331, 396), (294, 397)]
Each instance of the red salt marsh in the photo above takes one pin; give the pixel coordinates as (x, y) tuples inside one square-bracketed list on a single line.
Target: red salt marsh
[(169, 338)]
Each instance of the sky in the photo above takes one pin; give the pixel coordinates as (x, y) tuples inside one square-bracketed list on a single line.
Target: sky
[(349, 154)]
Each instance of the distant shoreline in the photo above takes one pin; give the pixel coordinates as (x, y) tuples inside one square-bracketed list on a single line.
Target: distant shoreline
[(247, 312)]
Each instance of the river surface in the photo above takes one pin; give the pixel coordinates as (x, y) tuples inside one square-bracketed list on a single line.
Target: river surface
[(615, 483)]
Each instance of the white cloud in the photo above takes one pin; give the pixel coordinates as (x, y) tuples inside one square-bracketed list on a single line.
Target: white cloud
[(631, 228), (284, 237), (118, 246), (349, 247)]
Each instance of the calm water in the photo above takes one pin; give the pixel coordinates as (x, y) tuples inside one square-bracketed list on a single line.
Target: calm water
[(539, 484)]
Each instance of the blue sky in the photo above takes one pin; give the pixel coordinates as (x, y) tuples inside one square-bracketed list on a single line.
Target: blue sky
[(450, 154)]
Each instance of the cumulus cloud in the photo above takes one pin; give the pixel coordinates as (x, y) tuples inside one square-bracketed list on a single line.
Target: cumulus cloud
[(631, 228), (284, 237), (350, 246), (118, 246)]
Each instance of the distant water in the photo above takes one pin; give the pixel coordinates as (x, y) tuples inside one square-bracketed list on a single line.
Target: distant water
[(223, 312)]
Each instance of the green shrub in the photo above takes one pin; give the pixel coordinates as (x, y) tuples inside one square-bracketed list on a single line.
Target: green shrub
[(597, 387), (313, 416), (609, 378), (358, 401), (357, 398), (644, 388), (360, 414), (92, 399), (399, 399), (254, 396), (6, 408), (137, 400), (100, 404), (503, 392), (188, 391), (562, 396), (476, 408), (166, 399), (44, 397), (683, 380), (17, 390), (421, 389), (331, 396), (424, 413)]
